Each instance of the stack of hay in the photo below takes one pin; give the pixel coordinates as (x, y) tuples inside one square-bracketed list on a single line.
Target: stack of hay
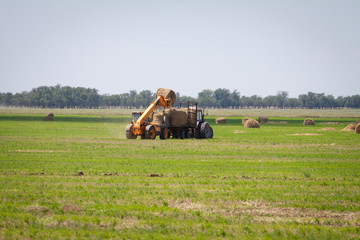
[(171, 117), (49, 117), (251, 123), (220, 120), (178, 118), (350, 127), (309, 121), (263, 119), (191, 116), (159, 118), (357, 128), (167, 115), (167, 94)]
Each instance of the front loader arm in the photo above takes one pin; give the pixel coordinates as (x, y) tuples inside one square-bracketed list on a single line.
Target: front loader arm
[(159, 102)]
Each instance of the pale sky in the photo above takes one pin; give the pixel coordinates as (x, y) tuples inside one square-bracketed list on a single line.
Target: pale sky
[(254, 46)]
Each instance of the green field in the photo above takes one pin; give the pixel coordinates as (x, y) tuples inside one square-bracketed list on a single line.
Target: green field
[(280, 181)]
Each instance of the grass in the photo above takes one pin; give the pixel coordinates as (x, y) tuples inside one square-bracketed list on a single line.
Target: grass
[(245, 183)]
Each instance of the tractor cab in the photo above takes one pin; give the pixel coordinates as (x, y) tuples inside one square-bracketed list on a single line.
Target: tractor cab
[(200, 115)]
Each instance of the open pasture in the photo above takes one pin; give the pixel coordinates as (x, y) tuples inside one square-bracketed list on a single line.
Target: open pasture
[(78, 177)]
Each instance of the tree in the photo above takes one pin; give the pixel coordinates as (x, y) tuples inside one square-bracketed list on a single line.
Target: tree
[(222, 97), (281, 98), (206, 98)]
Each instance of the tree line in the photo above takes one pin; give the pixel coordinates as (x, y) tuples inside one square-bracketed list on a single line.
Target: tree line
[(79, 97)]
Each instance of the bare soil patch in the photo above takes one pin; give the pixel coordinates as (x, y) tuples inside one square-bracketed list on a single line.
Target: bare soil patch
[(237, 131), (327, 129), (71, 208), (39, 151), (330, 123), (263, 209), (305, 134)]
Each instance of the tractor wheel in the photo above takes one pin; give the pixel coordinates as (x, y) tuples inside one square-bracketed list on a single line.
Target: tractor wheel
[(129, 133), (164, 133), (150, 132), (211, 132), (197, 131), (204, 130)]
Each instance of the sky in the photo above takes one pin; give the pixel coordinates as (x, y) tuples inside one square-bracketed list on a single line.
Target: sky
[(255, 47)]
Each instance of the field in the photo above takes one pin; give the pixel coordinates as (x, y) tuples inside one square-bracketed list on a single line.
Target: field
[(78, 177)]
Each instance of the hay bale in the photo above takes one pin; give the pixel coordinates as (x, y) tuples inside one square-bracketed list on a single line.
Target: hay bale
[(309, 121), (159, 118), (178, 118), (49, 117), (263, 119), (167, 115), (191, 116), (327, 129), (166, 93), (220, 120), (350, 127), (357, 128), (244, 120), (251, 123)]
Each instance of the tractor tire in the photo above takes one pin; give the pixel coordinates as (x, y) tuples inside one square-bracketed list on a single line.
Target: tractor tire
[(197, 131), (129, 133), (164, 133), (150, 132), (211, 134), (204, 130)]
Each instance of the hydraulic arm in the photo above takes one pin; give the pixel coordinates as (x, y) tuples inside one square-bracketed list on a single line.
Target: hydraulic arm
[(138, 127)]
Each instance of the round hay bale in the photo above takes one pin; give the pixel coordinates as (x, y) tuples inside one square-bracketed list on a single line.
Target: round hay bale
[(327, 129), (251, 123), (350, 127), (159, 118), (263, 119), (166, 93), (357, 128), (178, 118), (48, 118), (309, 121), (220, 120), (244, 120)]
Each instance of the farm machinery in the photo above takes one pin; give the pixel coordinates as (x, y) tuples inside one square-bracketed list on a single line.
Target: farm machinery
[(186, 121)]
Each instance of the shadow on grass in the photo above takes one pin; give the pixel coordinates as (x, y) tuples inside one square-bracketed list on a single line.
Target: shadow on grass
[(61, 118)]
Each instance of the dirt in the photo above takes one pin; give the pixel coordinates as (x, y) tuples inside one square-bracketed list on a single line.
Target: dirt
[(154, 175), (237, 131), (280, 122), (262, 209), (305, 134), (327, 129), (38, 151), (330, 123), (71, 208)]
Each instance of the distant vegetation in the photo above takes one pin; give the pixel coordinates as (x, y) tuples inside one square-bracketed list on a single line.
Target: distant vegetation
[(79, 97)]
